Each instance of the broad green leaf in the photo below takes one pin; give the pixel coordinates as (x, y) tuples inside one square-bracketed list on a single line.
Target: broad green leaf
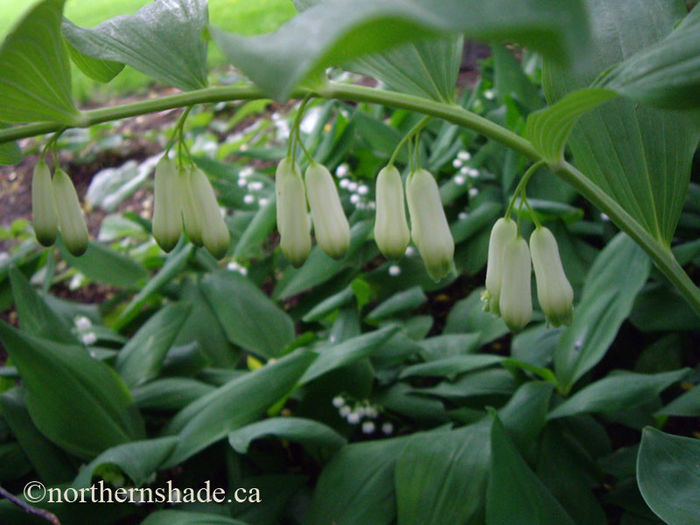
[(668, 477), (262, 225), (79, 403), (449, 345), (162, 40), (249, 318), (450, 366), (107, 266), (491, 382), (639, 156), (349, 351), (356, 486), (687, 405), (426, 68), (345, 30), (183, 517), (514, 490), (440, 476), (319, 267), (305, 431), (35, 315), (36, 81), (549, 129), (614, 280), (203, 326), (476, 220), (138, 460), (14, 462), (51, 463), (398, 303), (100, 70), (9, 151), (142, 357), (235, 404), (329, 304), (617, 392), (511, 81), (468, 316), (665, 74), (176, 261), (525, 415), (169, 393), (563, 470)]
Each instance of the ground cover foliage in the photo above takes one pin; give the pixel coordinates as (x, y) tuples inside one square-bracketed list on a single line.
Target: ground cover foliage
[(357, 389)]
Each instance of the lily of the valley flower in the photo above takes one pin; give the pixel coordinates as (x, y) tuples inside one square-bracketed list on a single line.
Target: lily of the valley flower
[(429, 228), (70, 217), (43, 206), (390, 227), (515, 301), (167, 205), (330, 224), (215, 234), (503, 232), (293, 221), (554, 291)]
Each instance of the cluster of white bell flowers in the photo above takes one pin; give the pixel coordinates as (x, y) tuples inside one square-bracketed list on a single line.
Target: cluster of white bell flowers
[(55, 206), (509, 273), (185, 201)]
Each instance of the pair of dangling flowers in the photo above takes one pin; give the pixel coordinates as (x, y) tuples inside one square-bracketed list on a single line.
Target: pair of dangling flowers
[(55, 206), (509, 272)]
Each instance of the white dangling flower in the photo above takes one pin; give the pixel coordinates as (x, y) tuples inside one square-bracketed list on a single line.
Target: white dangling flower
[(70, 217), (429, 228), (45, 219), (215, 235), (330, 224), (167, 205), (293, 221), (554, 291), (503, 231), (515, 300), (391, 231)]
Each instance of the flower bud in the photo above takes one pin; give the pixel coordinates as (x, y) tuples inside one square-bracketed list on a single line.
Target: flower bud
[(167, 205), (43, 206), (70, 217), (293, 221), (515, 300), (390, 226), (191, 214), (429, 229), (503, 231), (330, 224), (554, 292), (215, 234)]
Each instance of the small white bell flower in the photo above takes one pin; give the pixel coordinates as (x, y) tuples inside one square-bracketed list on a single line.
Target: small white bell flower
[(330, 224), (390, 227), (515, 301), (554, 291), (502, 232), (293, 221), (429, 228)]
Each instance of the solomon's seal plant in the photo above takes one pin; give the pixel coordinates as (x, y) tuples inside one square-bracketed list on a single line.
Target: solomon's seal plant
[(74, 231), (293, 222), (167, 204), (390, 226), (515, 299), (44, 206), (502, 233), (554, 293)]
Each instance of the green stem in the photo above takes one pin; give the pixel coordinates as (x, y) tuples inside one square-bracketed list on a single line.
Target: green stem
[(415, 129), (521, 185), (660, 254)]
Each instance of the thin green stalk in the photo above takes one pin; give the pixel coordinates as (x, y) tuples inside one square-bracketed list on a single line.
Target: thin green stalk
[(415, 129), (522, 184)]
